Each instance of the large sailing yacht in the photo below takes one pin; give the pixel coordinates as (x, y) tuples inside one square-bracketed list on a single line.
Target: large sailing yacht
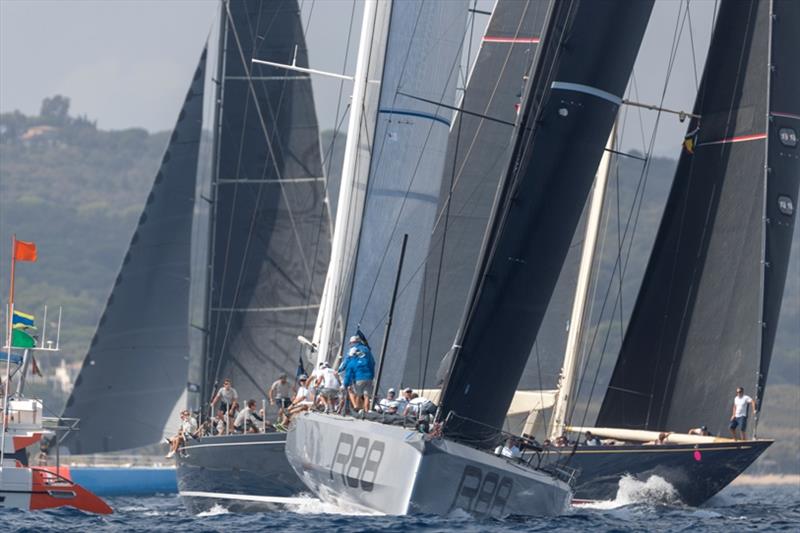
[(570, 101), (705, 319)]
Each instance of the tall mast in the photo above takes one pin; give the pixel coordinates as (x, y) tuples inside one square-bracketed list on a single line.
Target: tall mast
[(333, 281), (568, 371)]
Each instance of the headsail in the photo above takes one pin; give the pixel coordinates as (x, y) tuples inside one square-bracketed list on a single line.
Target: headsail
[(135, 369), (712, 289), (577, 81), (423, 53), (477, 156), (269, 222)]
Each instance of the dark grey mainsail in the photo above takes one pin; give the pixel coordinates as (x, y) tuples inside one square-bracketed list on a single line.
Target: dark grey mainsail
[(269, 220), (478, 152), (705, 318), (136, 366), (423, 52), (576, 85)]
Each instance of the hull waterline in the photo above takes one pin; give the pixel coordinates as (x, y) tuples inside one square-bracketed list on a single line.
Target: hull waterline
[(697, 472), (243, 473)]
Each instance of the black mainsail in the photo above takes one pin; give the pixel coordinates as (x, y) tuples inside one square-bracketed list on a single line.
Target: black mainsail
[(269, 222), (478, 152), (135, 369), (712, 290), (576, 85)]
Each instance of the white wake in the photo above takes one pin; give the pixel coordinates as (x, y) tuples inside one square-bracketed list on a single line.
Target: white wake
[(655, 491), (311, 505), (217, 509)]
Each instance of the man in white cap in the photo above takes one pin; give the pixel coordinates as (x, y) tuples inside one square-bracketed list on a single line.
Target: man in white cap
[(389, 404)]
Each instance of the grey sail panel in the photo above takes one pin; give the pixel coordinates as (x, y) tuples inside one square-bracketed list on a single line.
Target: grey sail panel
[(422, 57), (575, 92), (478, 152), (271, 235), (701, 301), (136, 366)]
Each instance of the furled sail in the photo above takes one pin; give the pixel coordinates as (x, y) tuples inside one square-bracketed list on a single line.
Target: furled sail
[(135, 369), (270, 226), (577, 81), (423, 53), (712, 289), (478, 152)]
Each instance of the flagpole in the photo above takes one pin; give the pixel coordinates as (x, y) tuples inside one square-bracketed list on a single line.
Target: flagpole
[(8, 353)]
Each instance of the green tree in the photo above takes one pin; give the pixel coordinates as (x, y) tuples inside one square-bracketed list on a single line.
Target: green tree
[(55, 110)]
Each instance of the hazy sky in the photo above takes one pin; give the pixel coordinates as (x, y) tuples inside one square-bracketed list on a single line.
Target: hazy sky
[(126, 63)]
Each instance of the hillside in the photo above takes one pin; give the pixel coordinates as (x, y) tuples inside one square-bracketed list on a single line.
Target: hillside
[(77, 192)]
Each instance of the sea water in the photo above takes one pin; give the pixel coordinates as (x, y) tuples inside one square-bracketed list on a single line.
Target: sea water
[(639, 506)]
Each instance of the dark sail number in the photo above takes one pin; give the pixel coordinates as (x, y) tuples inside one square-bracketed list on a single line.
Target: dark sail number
[(482, 495), (357, 461)]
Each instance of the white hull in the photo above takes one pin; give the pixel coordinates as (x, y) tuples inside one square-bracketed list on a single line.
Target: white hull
[(388, 469)]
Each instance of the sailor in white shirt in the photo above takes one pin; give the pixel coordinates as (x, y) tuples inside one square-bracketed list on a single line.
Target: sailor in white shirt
[(328, 384), (228, 398), (187, 429), (303, 400), (247, 421), (739, 413), (389, 405), (419, 406)]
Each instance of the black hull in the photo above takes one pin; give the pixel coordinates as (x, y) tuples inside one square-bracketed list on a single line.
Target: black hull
[(243, 473), (697, 472)]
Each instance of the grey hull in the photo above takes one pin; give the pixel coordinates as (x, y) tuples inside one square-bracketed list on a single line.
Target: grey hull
[(375, 467)]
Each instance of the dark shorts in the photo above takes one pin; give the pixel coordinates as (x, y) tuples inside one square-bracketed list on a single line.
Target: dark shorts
[(740, 422), (224, 407), (283, 402)]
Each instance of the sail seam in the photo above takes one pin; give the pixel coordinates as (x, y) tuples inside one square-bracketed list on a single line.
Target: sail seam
[(265, 309)]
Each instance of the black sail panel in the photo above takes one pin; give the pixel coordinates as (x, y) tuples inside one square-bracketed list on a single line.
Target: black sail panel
[(585, 61), (699, 307), (270, 223), (783, 178), (477, 156), (135, 369)]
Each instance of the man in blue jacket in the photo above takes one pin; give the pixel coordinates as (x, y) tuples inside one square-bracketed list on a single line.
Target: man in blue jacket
[(347, 373), (363, 364)]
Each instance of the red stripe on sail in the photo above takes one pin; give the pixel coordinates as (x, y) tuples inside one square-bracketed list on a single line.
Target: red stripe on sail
[(741, 138), (513, 40)]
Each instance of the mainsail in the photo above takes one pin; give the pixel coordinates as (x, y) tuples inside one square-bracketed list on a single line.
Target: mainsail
[(269, 222), (420, 66), (706, 315), (135, 369), (477, 156), (576, 85)]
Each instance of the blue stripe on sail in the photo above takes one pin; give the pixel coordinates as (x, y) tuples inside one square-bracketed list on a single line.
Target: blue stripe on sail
[(409, 112)]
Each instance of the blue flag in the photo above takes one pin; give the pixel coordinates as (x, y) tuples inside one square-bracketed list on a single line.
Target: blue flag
[(300, 369), (362, 337)]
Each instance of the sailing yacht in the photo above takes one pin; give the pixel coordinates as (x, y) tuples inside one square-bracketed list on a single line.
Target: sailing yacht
[(565, 109), (706, 315), (267, 251)]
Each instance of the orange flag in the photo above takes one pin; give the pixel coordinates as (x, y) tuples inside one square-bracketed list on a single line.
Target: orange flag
[(24, 251)]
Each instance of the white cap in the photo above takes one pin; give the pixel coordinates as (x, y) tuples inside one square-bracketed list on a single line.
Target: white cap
[(390, 391), (354, 339)]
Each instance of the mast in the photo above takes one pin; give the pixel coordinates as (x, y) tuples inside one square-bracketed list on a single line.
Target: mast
[(333, 280), (568, 376)]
